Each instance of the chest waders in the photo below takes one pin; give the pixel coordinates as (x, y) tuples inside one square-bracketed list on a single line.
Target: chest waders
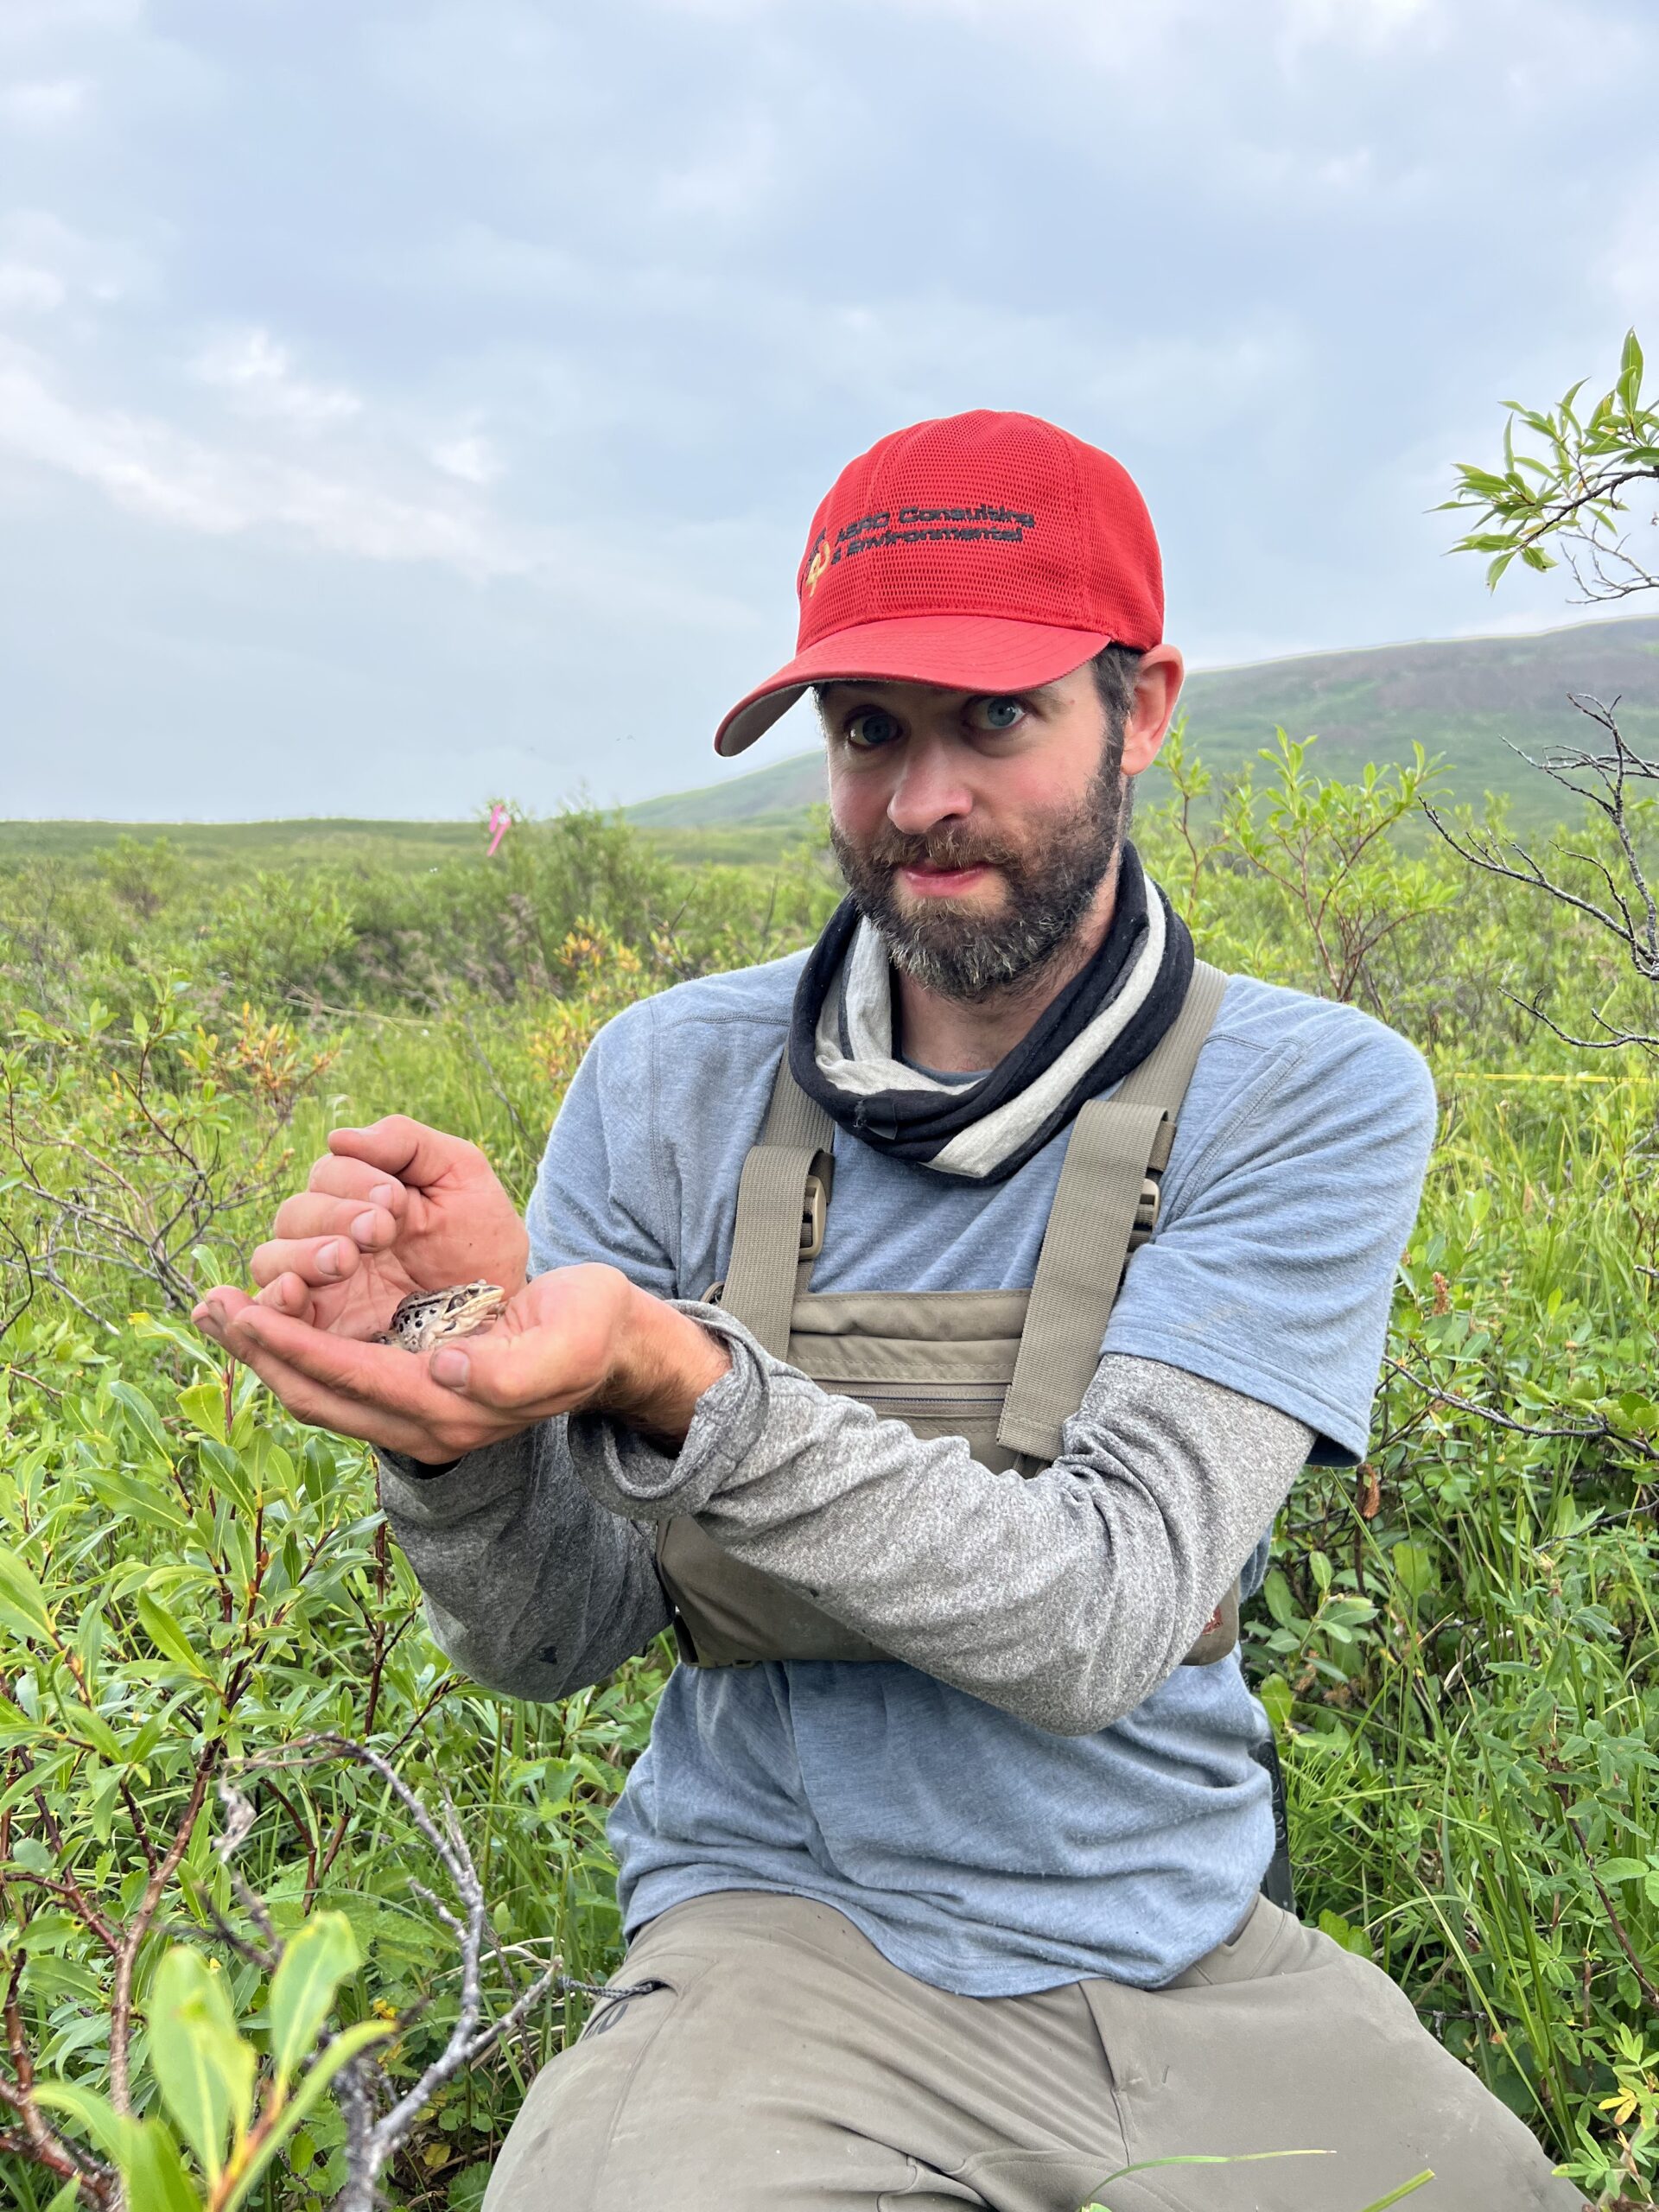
[(1002, 1369)]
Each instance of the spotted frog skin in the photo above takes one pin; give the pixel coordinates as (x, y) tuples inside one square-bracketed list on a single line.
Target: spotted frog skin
[(432, 1317)]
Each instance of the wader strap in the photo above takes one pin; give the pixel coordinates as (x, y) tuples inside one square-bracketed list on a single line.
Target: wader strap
[(792, 1117), (1085, 1249), (1105, 1206), (1165, 1073), (781, 1200)]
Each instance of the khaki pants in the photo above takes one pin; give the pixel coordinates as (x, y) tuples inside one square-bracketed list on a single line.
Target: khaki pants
[(779, 2061)]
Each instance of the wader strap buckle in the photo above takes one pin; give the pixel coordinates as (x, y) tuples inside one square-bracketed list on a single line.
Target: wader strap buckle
[(815, 1205), (1146, 1209)]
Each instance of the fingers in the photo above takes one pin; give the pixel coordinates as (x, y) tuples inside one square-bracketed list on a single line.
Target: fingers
[(316, 1260), (313, 1213), (505, 1374), (290, 1293), (554, 1350), (369, 1391), (350, 1369), (414, 1154), (340, 1177), (219, 1308), (357, 1233)]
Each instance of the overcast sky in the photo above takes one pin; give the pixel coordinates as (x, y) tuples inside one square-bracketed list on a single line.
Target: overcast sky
[(405, 402)]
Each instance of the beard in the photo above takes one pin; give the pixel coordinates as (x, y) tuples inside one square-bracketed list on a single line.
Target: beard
[(1050, 885)]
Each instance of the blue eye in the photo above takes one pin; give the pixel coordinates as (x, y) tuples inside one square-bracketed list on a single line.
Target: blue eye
[(871, 727), (995, 713)]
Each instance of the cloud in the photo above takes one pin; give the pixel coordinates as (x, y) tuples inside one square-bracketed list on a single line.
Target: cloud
[(257, 376), (733, 176), (68, 264), (36, 291), (45, 106), (149, 468), (1628, 269), (1371, 24), (1123, 35), (23, 21), (483, 361), (471, 457), (378, 503)]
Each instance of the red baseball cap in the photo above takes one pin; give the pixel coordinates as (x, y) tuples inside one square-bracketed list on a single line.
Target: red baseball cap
[(980, 552)]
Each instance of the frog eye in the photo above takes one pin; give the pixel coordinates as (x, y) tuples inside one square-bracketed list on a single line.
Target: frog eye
[(998, 711)]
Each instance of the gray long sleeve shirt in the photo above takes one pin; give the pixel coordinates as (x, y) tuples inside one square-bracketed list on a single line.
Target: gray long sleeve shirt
[(1063, 1600)]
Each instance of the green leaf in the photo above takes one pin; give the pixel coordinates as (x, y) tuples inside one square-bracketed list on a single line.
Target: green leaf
[(1207, 2158), (302, 1988), (154, 2176), (1414, 1570), (1343, 1932), (343, 2048), (152, 2173), (202, 2067), (225, 1471), (97, 2118), (164, 1633), (1279, 1699), (1406, 2189), (1280, 1602), (22, 1601), (203, 1407), (98, 1732), (188, 1343), (142, 1418), (1629, 371)]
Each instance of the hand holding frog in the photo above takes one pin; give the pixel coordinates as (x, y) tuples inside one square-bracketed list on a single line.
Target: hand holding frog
[(387, 1211), (574, 1338), (397, 1209)]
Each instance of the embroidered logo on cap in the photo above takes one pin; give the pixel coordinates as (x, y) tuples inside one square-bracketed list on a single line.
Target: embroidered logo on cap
[(985, 521)]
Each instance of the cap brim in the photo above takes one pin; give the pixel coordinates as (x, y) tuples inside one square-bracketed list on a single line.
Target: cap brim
[(959, 653)]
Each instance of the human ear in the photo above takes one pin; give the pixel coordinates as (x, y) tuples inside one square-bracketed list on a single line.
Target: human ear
[(1158, 682)]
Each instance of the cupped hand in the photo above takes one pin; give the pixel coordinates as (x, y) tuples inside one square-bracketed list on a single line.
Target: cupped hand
[(391, 1209), (558, 1345)]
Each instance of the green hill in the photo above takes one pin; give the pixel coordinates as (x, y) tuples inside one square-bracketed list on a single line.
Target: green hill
[(1470, 699)]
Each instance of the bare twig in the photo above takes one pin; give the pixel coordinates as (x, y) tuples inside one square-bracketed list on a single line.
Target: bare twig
[(374, 2136), (1583, 1432), (34, 1381), (37, 2141), (13, 1315), (138, 1926), (1601, 775)]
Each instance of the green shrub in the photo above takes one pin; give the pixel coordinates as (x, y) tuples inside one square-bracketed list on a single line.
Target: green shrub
[(1458, 1645)]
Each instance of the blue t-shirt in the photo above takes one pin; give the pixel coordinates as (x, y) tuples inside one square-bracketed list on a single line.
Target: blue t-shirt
[(978, 1853)]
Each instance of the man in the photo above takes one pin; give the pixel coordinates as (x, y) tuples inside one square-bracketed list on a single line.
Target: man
[(941, 1871)]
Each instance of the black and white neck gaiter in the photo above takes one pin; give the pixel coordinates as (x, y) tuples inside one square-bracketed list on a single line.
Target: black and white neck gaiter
[(1103, 1023)]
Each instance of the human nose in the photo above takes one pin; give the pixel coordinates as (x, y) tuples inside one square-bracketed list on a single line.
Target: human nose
[(930, 789)]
